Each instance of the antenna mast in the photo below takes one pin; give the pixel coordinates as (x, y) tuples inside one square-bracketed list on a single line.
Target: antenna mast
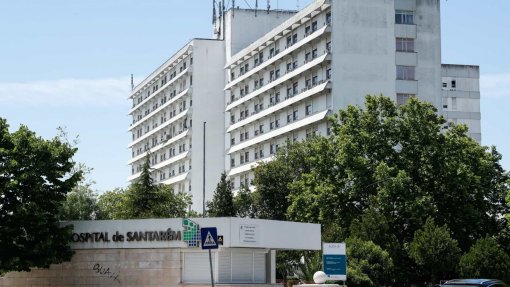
[(214, 12), (132, 83)]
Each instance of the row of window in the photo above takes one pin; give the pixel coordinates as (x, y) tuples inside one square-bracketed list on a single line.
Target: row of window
[(275, 74), (137, 116), (310, 82), (274, 50), (166, 155), (274, 122), (173, 111), (164, 136), (257, 153), (167, 77)]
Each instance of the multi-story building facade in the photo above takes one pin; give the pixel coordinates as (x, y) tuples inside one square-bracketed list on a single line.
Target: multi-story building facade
[(172, 104), (283, 72), (461, 97), (169, 109), (326, 57)]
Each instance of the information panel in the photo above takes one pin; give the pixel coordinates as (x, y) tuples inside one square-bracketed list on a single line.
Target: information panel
[(334, 261)]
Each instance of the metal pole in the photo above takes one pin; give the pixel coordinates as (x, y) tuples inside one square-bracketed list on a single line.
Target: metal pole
[(203, 177), (210, 264), (203, 206)]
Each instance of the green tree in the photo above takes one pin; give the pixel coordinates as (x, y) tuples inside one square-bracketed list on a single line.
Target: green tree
[(112, 205), (271, 181), (367, 264), (485, 259), (310, 262), (81, 201), (79, 204), (245, 203), (397, 160), (373, 226), (144, 199), (222, 204), (435, 252), (35, 176)]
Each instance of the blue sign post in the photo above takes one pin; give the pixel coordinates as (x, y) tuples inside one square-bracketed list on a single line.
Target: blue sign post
[(334, 261), (209, 237)]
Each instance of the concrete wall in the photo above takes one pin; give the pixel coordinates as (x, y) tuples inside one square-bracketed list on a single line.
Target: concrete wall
[(364, 51), (461, 101), (243, 27), (208, 106), (363, 56), (127, 267), (428, 49)]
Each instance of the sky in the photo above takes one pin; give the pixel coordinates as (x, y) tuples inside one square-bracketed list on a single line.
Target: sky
[(67, 63)]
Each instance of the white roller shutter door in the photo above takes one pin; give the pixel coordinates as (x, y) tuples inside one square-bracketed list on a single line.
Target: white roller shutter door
[(259, 267), (241, 266), (196, 267)]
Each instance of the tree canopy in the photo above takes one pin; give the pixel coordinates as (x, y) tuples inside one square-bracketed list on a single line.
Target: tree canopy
[(222, 204), (485, 259), (435, 252), (35, 176), (381, 174), (145, 199)]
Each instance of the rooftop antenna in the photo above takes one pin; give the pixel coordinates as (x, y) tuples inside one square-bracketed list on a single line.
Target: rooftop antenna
[(132, 83), (233, 7), (268, 6), (223, 19), (256, 7), (297, 4), (214, 12)]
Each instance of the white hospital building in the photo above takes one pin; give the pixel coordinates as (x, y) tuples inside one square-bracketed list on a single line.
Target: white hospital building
[(271, 76)]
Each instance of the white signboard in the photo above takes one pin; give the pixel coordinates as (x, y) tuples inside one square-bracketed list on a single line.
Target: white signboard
[(248, 233), (333, 248)]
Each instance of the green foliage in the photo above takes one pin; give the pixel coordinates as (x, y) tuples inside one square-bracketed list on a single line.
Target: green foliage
[(35, 176), (222, 204), (435, 252), (367, 264), (143, 199), (112, 205), (79, 204), (485, 259), (381, 174), (245, 203), (373, 226), (287, 262), (309, 263), (508, 204), (271, 181)]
